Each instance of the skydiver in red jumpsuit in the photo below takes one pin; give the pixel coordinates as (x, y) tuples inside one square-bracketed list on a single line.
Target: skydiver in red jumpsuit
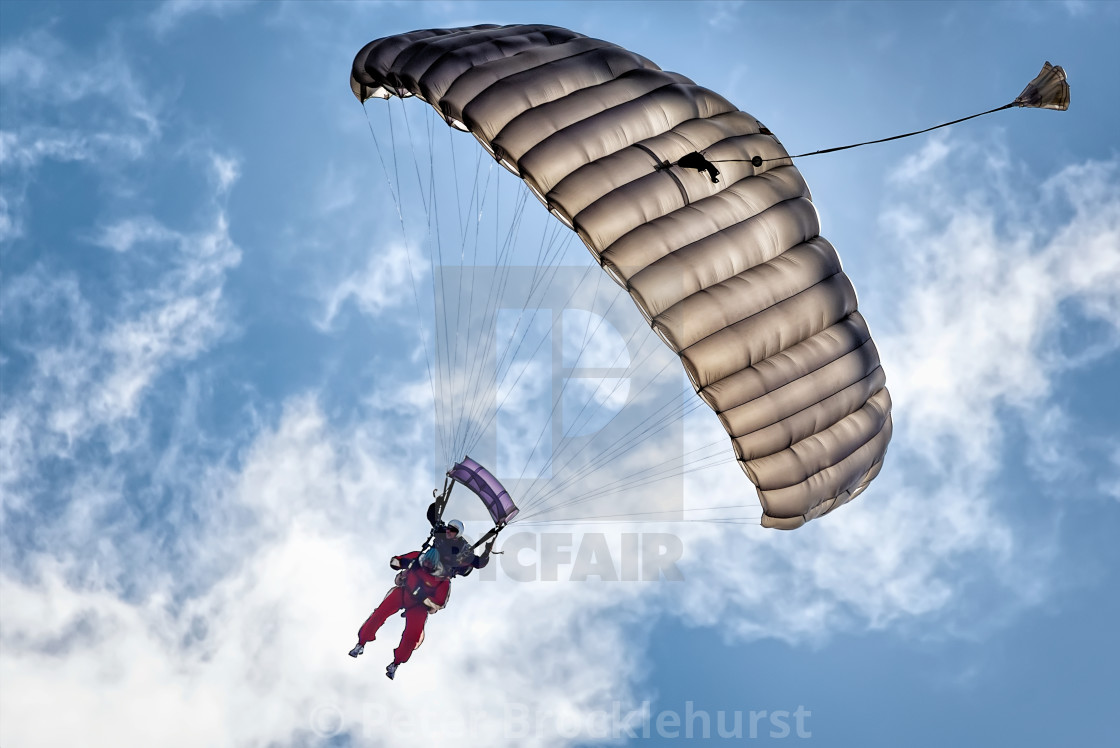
[(420, 590)]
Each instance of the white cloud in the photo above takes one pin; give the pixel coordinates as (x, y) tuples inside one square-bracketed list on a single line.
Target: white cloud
[(226, 171), (9, 227), (68, 105), (260, 655), (995, 275), (90, 368), (171, 13), (890, 558), (722, 13), (1110, 486), (338, 189), (385, 282), (1077, 8), (101, 78), (20, 64), (124, 234), (920, 163)]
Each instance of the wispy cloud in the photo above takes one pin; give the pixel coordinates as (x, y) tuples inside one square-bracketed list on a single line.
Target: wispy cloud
[(84, 348), (385, 282), (66, 104), (722, 14), (39, 69), (171, 13), (1110, 484), (225, 171), (90, 369), (124, 234), (324, 505), (996, 271)]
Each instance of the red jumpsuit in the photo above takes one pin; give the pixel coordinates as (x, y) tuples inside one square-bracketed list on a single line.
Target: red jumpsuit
[(421, 592)]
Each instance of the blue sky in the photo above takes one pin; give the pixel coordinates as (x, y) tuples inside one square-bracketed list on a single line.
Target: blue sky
[(217, 421)]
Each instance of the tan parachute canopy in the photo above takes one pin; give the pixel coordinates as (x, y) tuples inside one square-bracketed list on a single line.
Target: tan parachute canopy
[(733, 275)]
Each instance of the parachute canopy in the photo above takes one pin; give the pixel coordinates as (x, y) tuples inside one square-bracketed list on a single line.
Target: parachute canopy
[(732, 275), (479, 480)]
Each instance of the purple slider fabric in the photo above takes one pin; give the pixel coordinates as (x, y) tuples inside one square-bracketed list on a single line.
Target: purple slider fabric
[(493, 495)]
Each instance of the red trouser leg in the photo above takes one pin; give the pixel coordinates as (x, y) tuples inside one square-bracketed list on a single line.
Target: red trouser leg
[(393, 602), (414, 618)]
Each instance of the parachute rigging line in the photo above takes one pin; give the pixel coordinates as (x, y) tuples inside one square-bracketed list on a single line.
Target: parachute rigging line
[(480, 428), (625, 483), (654, 422), (620, 445), (559, 397), (540, 498), (470, 301), (432, 213), (454, 421), (476, 369), (466, 439), (510, 350), (407, 252), (512, 387), (651, 424)]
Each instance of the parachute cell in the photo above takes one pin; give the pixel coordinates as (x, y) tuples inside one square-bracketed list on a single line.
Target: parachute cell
[(733, 274)]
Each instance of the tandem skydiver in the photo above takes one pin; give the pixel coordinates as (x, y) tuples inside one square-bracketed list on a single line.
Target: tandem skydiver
[(421, 589)]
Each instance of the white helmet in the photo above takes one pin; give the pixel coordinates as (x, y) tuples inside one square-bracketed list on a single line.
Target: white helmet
[(456, 525)]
